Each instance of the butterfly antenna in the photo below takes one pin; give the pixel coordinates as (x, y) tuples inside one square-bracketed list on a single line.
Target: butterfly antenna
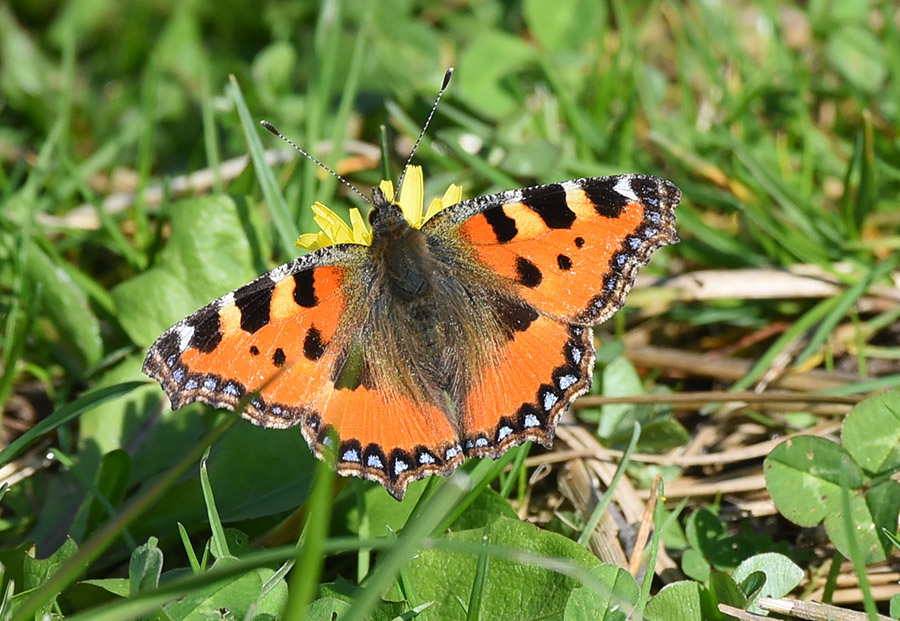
[(272, 129), (437, 100)]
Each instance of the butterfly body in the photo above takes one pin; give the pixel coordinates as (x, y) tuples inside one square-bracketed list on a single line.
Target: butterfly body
[(463, 337)]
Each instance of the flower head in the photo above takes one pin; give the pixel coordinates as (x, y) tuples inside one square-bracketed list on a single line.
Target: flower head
[(334, 230)]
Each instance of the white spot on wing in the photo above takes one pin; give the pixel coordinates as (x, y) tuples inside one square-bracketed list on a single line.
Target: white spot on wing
[(531, 421), (550, 400), (374, 461), (351, 455), (504, 431), (185, 334), (623, 187), (400, 466), (567, 380), (576, 355), (426, 458)]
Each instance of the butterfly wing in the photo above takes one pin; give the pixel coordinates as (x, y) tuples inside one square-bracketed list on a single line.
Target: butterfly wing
[(570, 249), (569, 252), (286, 337)]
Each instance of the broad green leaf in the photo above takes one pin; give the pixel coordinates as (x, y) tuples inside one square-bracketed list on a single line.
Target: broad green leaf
[(874, 452), (804, 475), (66, 305), (782, 575), (214, 248), (619, 379), (483, 67), (614, 603), (555, 28), (238, 595), (724, 590), (440, 576), (679, 600), (36, 571), (145, 567), (337, 598), (694, 565), (112, 481), (869, 515)]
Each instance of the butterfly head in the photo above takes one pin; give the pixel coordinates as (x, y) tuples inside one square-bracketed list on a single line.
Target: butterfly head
[(386, 217)]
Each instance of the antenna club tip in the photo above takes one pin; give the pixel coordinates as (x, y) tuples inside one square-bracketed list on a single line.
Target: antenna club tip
[(270, 127), (447, 76)]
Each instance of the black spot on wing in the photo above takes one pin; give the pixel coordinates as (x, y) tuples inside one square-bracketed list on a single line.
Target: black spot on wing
[(564, 262), (207, 330), (608, 202), (504, 227), (305, 289), (527, 273), (579, 242), (313, 347), (549, 202), (512, 315), (278, 358), (254, 303), (254, 350)]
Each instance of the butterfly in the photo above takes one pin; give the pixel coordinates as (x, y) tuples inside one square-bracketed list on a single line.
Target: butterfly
[(461, 338)]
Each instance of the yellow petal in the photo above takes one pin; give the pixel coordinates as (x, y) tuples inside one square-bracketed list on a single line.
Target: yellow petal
[(387, 188), (362, 234), (412, 195), (452, 195)]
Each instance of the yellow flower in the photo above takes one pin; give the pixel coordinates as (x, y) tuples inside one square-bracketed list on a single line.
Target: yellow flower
[(335, 231)]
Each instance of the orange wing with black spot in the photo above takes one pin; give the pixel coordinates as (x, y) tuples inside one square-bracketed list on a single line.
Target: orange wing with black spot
[(569, 252), (286, 336), (571, 249)]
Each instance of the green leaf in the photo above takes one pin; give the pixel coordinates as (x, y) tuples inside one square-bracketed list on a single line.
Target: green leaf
[(239, 595), (66, 305), (858, 56), (680, 600), (553, 26), (440, 576), (782, 575), (483, 68), (211, 251), (336, 598), (803, 475), (724, 590), (36, 571), (614, 603), (694, 565), (874, 452), (112, 481), (145, 567)]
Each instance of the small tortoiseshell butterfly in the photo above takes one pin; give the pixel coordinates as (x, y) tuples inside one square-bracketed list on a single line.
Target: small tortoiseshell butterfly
[(462, 338)]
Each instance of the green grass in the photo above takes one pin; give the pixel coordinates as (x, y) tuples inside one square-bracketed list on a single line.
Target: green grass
[(779, 122)]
